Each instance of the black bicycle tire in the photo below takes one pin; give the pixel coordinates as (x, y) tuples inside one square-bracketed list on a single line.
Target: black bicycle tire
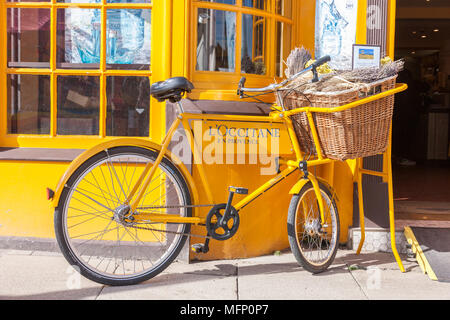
[(301, 259)]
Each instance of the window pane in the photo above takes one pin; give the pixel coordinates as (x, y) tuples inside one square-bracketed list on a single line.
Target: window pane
[(28, 37), (78, 38), (25, 1), (216, 40), (128, 106), (284, 37), (221, 1), (258, 4), (78, 105), (284, 8), (253, 44), (128, 38), (108, 1), (28, 104), (128, 1)]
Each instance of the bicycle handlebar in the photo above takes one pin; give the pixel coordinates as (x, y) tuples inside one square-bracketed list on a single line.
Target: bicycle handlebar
[(275, 86), (321, 61)]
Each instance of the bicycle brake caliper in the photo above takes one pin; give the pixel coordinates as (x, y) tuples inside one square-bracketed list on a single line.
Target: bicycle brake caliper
[(303, 166)]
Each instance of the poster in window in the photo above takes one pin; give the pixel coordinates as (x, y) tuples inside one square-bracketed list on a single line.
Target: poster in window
[(127, 36), (336, 31)]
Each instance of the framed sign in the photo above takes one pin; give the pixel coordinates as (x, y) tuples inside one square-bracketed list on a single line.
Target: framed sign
[(366, 56)]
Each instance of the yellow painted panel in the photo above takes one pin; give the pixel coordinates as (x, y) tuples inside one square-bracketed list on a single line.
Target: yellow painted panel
[(25, 210), (239, 137), (306, 25), (263, 223)]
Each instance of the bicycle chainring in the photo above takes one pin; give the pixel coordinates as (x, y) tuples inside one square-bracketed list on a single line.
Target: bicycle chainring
[(228, 228)]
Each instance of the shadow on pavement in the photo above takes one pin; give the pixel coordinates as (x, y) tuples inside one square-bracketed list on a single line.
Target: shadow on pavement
[(223, 270)]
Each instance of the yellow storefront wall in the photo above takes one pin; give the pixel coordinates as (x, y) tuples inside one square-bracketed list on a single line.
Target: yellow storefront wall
[(25, 211)]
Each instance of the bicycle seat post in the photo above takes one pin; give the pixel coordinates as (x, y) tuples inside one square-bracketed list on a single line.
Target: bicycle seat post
[(180, 106)]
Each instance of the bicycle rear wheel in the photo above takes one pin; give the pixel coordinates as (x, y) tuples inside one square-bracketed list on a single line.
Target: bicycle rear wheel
[(313, 244), (107, 244)]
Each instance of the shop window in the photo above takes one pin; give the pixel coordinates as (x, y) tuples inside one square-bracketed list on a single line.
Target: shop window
[(221, 47), (75, 86), (253, 44), (78, 38), (128, 106), (216, 40), (284, 8), (28, 31), (284, 36), (128, 39), (221, 1), (78, 105), (257, 4), (28, 104)]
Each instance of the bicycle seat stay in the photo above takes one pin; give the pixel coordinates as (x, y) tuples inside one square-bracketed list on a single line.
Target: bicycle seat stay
[(171, 89)]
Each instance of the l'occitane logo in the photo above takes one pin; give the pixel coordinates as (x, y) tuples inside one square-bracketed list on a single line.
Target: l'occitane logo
[(236, 132), (228, 142)]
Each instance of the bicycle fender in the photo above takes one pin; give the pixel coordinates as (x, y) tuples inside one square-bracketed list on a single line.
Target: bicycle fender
[(136, 142), (298, 186), (300, 183)]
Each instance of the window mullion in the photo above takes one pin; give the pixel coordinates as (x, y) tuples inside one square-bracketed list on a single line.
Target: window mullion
[(53, 76), (238, 44), (103, 97)]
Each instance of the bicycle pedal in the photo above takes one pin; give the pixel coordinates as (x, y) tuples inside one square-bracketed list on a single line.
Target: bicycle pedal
[(238, 190), (199, 248)]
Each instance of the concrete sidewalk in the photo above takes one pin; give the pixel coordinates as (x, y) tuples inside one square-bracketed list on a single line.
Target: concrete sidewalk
[(47, 275)]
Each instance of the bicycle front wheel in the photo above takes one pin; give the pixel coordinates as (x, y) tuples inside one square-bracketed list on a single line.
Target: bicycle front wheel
[(108, 245), (313, 243)]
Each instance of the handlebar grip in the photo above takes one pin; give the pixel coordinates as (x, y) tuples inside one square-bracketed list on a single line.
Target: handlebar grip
[(240, 86), (321, 61), (242, 82)]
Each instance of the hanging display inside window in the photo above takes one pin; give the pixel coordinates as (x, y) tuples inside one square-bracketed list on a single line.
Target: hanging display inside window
[(127, 36)]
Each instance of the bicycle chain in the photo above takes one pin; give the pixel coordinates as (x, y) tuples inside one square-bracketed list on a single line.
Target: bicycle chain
[(174, 232)]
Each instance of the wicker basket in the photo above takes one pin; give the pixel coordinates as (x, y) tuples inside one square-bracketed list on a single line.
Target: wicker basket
[(354, 133)]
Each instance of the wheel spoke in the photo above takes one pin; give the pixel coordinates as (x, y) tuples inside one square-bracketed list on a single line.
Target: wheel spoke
[(97, 228), (315, 242)]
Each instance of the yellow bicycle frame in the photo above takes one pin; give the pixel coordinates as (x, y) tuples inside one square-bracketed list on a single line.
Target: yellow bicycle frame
[(274, 117)]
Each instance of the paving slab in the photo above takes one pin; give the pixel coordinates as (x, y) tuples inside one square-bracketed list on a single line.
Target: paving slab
[(46, 275), (281, 278), (380, 284), (41, 277), (176, 286)]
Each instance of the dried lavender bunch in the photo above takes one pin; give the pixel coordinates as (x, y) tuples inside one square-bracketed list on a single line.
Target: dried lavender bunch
[(367, 75), (296, 61)]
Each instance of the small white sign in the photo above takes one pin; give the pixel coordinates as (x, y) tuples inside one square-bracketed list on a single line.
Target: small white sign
[(366, 56)]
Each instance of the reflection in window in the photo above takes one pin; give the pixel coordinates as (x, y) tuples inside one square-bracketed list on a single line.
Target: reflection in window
[(127, 43), (258, 4), (216, 40), (78, 105), (127, 106), (253, 44), (28, 37), (284, 36), (78, 35), (284, 8), (28, 103), (128, 38), (221, 1)]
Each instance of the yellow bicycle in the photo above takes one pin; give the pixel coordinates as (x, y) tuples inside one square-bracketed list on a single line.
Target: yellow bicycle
[(124, 209)]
